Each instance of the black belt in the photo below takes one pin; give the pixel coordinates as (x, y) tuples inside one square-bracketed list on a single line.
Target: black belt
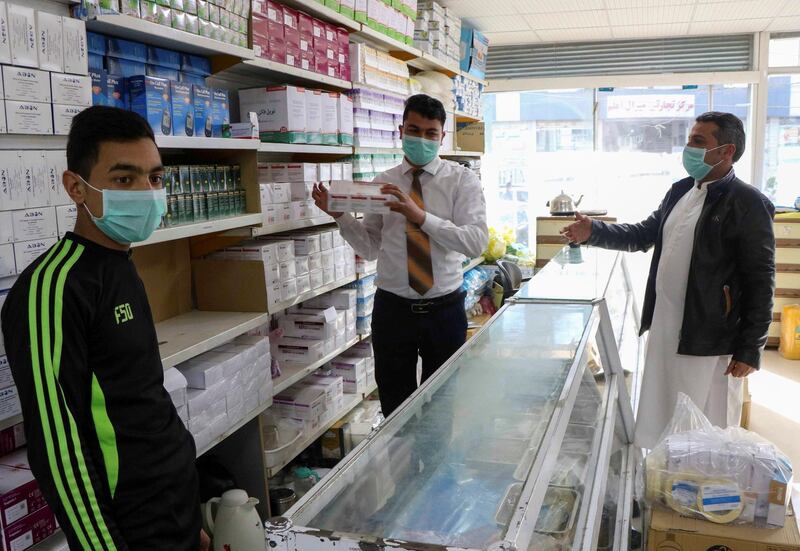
[(423, 305)]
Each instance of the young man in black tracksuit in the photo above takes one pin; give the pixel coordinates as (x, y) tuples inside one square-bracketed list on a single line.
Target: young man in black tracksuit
[(105, 442)]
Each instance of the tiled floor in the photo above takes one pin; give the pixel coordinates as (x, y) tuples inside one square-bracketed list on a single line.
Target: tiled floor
[(776, 407)]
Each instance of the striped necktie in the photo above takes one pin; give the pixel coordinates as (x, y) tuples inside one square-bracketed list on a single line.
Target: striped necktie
[(418, 246)]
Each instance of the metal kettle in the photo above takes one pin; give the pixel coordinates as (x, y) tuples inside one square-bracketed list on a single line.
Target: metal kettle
[(563, 205)]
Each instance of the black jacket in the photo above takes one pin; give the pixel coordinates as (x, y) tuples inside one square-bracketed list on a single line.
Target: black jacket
[(732, 273)]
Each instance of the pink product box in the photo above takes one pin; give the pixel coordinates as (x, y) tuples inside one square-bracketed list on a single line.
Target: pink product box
[(20, 495), (305, 29), (277, 42), (291, 36), (29, 530), (343, 38)]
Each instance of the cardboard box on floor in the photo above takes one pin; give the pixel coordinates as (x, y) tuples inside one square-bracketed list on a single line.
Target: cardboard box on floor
[(671, 532)]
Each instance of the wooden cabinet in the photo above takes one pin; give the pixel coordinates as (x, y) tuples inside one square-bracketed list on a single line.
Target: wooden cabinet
[(787, 278)]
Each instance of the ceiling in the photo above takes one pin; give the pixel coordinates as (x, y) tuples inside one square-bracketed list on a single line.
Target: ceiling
[(536, 21)]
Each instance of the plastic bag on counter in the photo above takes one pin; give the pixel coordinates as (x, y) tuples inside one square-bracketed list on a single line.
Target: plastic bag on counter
[(726, 476)]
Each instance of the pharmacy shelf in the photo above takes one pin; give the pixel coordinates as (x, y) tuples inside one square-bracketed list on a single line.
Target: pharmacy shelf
[(201, 228), (153, 34), (56, 542), (186, 142), (305, 148), (378, 151), (381, 90), (427, 62), (474, 263), (32, 141), (367, 274), (10, 422), (291, 374), (281, 306), (312, 7), (461, 154), (188, 335), (236, 426), (266, 71), (461, 116), (351, 402), (291, 226), (7, 282), (473, 77), (386, 43)]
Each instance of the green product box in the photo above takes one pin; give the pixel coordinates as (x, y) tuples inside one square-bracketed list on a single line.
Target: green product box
[(202, 10), (220, 170), (225, 18), (207, 178), (347, 11), (184, 208), (332, 4), (388, 2), (212, 178), (176, 5), (212, 205), (190, 7), (172, 207), (199, 207), (236, 175), (228, 182), (361, 16), (184, 182), (165, 3), (167, 181), (196, 179)]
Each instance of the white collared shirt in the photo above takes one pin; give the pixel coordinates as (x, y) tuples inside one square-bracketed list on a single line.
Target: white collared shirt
[(455, 221)]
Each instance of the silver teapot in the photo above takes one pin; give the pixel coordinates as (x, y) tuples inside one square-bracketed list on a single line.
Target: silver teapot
[(563, 205)]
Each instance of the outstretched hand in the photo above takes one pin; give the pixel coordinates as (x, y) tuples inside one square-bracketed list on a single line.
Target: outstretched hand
[(580, 231)]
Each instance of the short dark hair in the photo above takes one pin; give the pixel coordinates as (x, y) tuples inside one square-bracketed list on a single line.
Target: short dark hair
[(428, 107), (730, 130), (96, 125)]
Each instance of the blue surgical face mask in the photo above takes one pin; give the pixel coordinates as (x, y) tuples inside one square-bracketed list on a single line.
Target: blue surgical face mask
[(420, 151), (694, 162), (129, 216)]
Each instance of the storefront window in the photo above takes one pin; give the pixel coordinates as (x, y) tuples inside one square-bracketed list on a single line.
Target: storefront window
[(782, 143)]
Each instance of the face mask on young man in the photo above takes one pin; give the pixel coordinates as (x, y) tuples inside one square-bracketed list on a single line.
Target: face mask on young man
[(420, 151), (129, 216), (694, 161)]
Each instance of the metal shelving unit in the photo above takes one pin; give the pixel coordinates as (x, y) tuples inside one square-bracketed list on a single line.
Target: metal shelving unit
[(265, 71)]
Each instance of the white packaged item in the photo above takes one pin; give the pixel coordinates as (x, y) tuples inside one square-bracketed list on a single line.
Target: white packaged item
[(269, 215), (325, 240), (327, 260), (50, 31), (25, 252), (300, 402), (284, 249), (345, 123), (272, 274), (301, 191), (315, 262), (330, 118), (315, 278), (324, 172), (231, 362), (260, 251), (340, 299), (306, 244), (337, 171), (3, 125), (348, 171), (29, 85), (288, 289), (71, 89), (313, 116), (6, 378), (8, 266), (299, 210), (309, 326), (22, 35), (9, 403), (294, 350), (336, 238), (7, 228), (303, 284), (38, 223), (281, 192), (56, 163), (331, 385), (274, 296), (357, 196), (265, 393), (28, 117), (76, 54), (199, 401), (183, 413), (338, 256), (34, 178), (301, 172), (328, 276), (5, 38), (285, 212), (273, 172), (281, 112), (287, 269), (301, 265), (339, 272), (175, 385), (201, 372), (62, 117), (66, 215)]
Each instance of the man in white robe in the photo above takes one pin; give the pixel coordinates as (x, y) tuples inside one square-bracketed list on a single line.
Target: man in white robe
[(708, 304)]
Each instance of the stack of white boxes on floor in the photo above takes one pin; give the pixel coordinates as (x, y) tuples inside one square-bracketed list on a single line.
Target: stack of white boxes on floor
[(45, 71), (286, 189), (365, 289), (317, 328), (35, 210), (438, 31), (214, 391)]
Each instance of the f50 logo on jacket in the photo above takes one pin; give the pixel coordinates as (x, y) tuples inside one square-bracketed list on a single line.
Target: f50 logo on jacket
[(123, 313)]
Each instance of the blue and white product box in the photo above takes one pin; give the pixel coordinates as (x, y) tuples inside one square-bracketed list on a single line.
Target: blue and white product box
[(97, 62), (71, 89), (125, 67), (99, 87), (183, 118), (163, 57), (22, 35), (22, 84), (25, 117), (62, 117), (195, 64), (117, 92), (150, 98), (98, 43), (5, 41), (49, 32), (203, 118), (127, 49), (191, 79), (161, 72), (220, 113)]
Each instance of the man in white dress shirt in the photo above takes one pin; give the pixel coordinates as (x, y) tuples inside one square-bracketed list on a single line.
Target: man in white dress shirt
[(708, 304), (439, 216)]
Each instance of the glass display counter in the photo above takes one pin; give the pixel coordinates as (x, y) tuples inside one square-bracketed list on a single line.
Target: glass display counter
[(520, 441)]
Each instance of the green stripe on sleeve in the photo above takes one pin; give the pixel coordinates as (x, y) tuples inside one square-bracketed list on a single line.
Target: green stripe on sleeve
[(40, 397), (105, 434)]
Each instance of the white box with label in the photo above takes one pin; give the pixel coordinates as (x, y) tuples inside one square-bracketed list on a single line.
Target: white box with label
[(325, 240), (301, 172), (71, 89), (7, 265), (324, 172), (76, 53), (66, 215), (62, 117), (30, 85), (315, 279), (25, 252), (22, 35), (38, 223), (56, 161), (50, 35), (7, 228), (5, 38), (29, 117), (327, 260), (288, 289), (34, 178)]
